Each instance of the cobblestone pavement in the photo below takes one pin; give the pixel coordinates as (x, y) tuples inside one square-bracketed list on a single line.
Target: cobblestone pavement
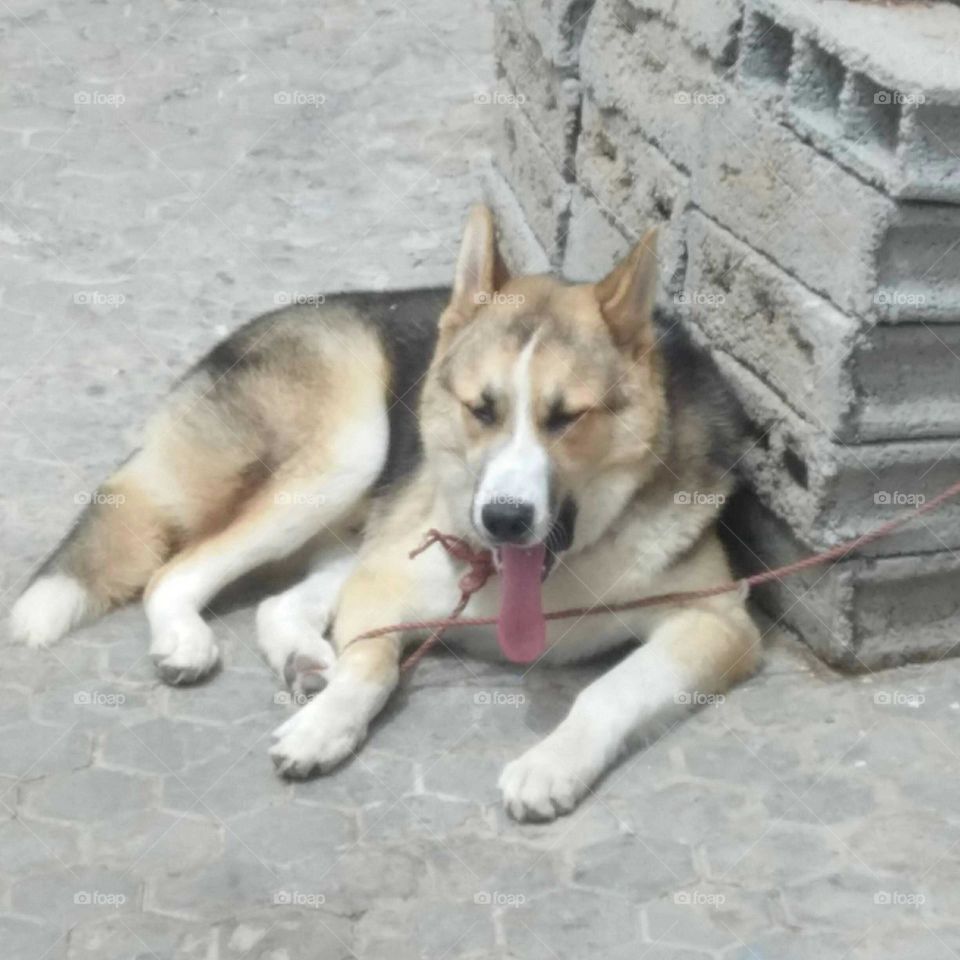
[(807, 815)]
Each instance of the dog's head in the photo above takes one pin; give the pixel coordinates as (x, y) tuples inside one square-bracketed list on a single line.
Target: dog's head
[(544, 404)]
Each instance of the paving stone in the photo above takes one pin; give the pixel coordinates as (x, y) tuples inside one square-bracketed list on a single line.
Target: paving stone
[(161, 745), (284, 932), (899, 844), (820, 798), (28, 844), (800, 945), (219, 889), (929, 942), (372, 777), (562, 925), (30, 751), (150, 842), (360, 876), (13, 706), (291, 832), (469, 868), (235, 697), (883, 901), (396, 818), (685, 811), (238, 781), (733, 761), (457, 930), (766, 853), (82, 699), (70, 895), (91, 794), (25, 939), (667, 865), (138, 936), (710, 917)]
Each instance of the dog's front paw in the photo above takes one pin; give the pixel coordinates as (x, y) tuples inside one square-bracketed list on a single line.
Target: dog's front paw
[(543, 784), (184, 651), (316, 738)]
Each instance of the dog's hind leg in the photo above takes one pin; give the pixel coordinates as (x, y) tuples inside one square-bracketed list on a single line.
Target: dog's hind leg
[(292, 625), (316, 491)]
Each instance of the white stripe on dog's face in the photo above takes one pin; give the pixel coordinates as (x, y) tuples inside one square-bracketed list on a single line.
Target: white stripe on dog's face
[(519, 471)]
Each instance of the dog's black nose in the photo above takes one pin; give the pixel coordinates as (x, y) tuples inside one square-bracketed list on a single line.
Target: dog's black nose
[(508, 522)]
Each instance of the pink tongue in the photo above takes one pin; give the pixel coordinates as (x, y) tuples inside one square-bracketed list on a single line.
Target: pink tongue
[(521, 629)]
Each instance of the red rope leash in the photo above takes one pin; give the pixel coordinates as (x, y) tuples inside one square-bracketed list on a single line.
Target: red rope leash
[(481, 569)]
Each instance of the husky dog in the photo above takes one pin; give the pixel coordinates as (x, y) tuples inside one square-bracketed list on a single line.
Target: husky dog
[(568, 428)]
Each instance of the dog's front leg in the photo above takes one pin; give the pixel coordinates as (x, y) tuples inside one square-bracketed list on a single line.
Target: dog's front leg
[(330, 727), (386, 587), (690, 655)]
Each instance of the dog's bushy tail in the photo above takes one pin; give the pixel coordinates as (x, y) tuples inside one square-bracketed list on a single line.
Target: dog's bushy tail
[(115, 546)]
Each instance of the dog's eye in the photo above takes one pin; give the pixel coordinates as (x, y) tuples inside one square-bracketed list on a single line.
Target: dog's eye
[(559, 419), (485, 411)]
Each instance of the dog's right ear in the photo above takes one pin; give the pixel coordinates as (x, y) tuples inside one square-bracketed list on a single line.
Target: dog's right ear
[(479, 272)]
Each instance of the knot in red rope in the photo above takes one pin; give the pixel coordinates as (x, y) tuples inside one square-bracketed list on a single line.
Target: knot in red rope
[(480, 561)]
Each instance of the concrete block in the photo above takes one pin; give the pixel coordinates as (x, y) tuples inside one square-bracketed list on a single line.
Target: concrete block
[(536, 181), (595, 241), (625, 187), (625, 172), (793, 339), (548, 95), (854, 380), (557, 26), (864, 613), (830, 492), (711, 28), (890, 112), (642, 68), (906, 375), (840, 236), (520, 248)]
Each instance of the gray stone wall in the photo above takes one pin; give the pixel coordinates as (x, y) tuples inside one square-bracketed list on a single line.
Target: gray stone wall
[(802, 160)]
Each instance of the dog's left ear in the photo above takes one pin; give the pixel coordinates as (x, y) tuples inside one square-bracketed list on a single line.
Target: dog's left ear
[(479, 273), (627, 293)]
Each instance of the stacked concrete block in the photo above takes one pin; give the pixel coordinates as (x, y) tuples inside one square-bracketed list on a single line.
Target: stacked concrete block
[(876, 87), (872, 255), (538, 102), (846, 378), (862, 614), (803, 170)]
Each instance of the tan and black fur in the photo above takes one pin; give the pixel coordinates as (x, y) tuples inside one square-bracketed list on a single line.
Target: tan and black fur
[(364, 413)]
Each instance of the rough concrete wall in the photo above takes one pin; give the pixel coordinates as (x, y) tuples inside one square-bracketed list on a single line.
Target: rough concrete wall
[(802, 162)]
